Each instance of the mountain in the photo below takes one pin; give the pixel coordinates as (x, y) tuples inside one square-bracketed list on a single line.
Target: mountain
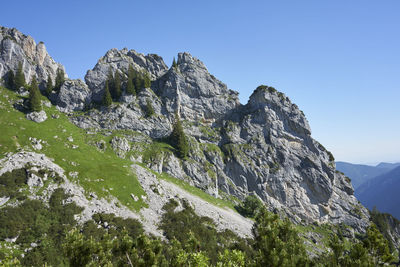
[(264, 147), (382, 192), (178, 146), (359, 173), (387, 166)]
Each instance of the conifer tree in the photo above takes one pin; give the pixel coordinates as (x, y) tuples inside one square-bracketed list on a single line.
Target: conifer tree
[(147, 80), (34, 96), (130, 88), (149, 109), (110, 81), (138, 83), (60, 78), (107, 100), (10, 79), (49, 86), (277, 242), (179, 139), (19, 78), (174, 64), (116, 93)]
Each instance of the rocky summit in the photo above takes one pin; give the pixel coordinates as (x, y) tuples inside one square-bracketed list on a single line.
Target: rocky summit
[(19, 48), (262, 148)]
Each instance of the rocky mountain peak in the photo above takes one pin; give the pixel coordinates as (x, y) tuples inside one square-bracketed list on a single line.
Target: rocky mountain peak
[(187, 60), (268, 98), (192, 91), (19, 48), (120, 60)]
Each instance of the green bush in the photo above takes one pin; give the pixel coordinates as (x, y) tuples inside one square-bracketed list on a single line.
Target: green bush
[(11, 182), (149, 109), (250, 206), (178, 139)]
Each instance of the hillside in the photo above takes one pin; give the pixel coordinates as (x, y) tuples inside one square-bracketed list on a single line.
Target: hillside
[(382, 192), (157, 161), (359, 173)]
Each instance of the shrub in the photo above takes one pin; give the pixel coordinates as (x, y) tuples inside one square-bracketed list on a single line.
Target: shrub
[(250, 206), (149, 109), (178, 139)]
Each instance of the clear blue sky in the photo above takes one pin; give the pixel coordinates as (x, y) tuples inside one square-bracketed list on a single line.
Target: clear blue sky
[(338, 60)]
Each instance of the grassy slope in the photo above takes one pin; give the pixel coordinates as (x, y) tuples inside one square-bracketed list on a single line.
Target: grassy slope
[(101, 172)]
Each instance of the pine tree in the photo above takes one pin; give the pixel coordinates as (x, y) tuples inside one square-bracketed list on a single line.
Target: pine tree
[(10, 79), (34, 96), (130, 88), (49, 86), (179, 140), (117, 86), (149, 109), (60, 78), (147, 80), (138, 83), (277, 242), (107, 100), (19, 78), (174, 64), (110, 81)]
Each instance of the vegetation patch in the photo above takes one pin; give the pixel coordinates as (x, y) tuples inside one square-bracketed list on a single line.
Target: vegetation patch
[(68, 144)]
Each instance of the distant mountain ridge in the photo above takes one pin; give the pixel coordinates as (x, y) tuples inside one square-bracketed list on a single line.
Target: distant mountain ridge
[(360, 173), (382, 192)]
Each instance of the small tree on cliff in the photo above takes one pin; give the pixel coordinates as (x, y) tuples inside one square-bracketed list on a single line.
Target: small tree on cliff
[(49, 86), (19, 78), (34, 96), (107, 100), (178, 139), (60, 78)]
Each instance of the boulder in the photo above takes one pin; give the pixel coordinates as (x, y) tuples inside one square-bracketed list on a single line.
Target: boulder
[(37, 116)]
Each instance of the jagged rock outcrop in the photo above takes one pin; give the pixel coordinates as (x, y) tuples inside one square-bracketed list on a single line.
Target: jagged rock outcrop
[(129, 115), (74, 95), (19, 48), (120, 60), (193, 92)]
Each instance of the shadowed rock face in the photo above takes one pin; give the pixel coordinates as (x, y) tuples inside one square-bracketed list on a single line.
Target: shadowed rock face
[(263, 147), (18, 48)]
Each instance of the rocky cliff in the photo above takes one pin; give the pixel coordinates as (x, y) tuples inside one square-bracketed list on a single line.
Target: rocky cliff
[(18, 48), (264, 147)]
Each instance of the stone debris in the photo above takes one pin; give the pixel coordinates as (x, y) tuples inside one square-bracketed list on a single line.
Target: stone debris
[(37, 116)]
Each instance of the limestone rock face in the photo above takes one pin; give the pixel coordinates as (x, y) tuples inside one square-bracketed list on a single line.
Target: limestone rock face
[(120, 60), (74, 95), (16, 48), (193, 92), (129, 115), (271, 152)]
